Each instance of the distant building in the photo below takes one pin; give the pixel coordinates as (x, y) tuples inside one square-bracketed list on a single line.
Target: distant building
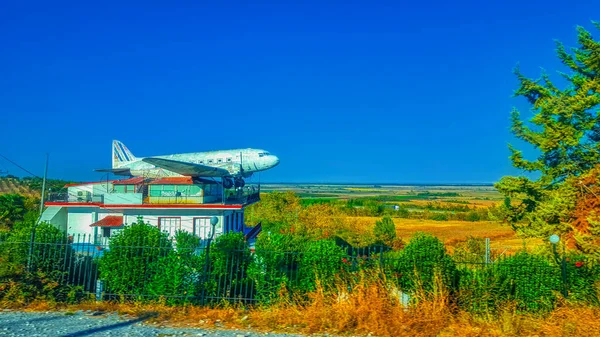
[(97, 210)]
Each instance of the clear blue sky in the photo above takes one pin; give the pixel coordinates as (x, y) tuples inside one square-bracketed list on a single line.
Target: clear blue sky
[(342, 92)]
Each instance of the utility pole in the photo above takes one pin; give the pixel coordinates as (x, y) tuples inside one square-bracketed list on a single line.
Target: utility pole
[(29, 258), (43, 189)]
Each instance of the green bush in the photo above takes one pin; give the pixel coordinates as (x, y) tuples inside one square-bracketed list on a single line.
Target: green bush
[(582, 279), (50, 277), (473, 216), (321, 261), (228, 270), (179, 272), (385, 231), (471, 250), (439, 217), (135, 255), (528, 281), (274, 266), (420, 261)]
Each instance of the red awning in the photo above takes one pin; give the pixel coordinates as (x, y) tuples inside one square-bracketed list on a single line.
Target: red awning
[(173, 181), (89, 183), (130, 181), (109, 221)]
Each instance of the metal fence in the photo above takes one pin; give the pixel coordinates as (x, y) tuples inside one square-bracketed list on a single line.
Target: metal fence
[(182, 272)]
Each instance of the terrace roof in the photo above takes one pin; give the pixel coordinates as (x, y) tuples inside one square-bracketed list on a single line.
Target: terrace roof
[(109, 221), (130, 181), (173, 181)]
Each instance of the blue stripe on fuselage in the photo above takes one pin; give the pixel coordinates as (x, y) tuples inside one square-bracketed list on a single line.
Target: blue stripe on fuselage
[(124, 152), (118, 154)]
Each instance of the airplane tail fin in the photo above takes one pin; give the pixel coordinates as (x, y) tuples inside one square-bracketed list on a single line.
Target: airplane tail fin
[(120, 154)]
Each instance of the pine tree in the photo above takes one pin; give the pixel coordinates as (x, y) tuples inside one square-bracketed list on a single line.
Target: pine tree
[(565, 131)]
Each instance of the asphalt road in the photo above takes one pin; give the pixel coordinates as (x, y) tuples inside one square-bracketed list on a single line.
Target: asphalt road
[(37, 324)]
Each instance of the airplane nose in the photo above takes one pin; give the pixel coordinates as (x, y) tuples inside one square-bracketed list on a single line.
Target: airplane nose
[(275, 161)]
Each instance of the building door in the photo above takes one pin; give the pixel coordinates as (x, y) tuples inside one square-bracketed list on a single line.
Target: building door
[(202, 227), (169, 225)]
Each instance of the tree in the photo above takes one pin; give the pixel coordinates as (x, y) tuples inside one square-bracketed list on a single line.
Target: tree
[(565, 131), (586, 216), (12, 209), (275, 208), (385, 231)]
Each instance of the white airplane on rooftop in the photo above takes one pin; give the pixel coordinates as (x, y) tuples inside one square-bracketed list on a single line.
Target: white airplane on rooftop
[(231, 165)]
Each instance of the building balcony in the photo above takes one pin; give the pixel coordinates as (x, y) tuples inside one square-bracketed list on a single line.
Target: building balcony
[(157, 195)]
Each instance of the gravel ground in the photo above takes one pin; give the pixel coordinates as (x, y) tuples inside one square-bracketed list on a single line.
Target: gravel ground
[(87, 323)]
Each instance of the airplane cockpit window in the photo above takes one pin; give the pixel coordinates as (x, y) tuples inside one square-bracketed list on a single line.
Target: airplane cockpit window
[(263, 154), (229, 160), (210, 161), (219, 160)]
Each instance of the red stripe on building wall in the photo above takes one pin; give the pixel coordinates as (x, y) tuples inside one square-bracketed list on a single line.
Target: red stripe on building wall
[(164, 206)]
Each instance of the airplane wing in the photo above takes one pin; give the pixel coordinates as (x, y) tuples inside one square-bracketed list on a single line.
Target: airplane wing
[(186, 168), (116, 171)]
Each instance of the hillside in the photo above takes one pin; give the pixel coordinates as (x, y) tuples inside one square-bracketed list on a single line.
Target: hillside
[(28, 186), (16, 185)]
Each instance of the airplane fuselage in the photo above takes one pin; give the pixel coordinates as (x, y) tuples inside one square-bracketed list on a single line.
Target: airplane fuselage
[(240, 163)]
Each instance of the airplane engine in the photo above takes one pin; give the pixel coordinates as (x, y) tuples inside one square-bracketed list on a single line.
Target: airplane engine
[(239, 182), (227, 183)]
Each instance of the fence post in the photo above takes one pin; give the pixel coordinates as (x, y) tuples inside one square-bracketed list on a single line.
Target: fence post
[(99, 290), (205, 276), (30, 253), (563, 267)]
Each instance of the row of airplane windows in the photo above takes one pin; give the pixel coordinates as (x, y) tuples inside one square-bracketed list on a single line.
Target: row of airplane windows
[(212, 161), (222, 160)]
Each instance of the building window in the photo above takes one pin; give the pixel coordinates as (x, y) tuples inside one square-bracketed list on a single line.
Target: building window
[(169, 225), (202, 227), (106, 232)]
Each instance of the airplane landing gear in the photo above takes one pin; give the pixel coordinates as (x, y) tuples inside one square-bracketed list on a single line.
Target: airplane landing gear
[(239, 182), (227, 183)]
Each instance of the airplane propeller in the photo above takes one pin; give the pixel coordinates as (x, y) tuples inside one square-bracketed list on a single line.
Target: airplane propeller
[(241, 164)]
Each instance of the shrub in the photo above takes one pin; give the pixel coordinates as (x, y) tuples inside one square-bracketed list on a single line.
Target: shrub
[(471, 250), (385, 231), (50, 277), (179, 271), (422, 258), (321, 261), (230, 258), (473, 216), (439, 217), (275, 264), (582, 276), (134, 256), (528, 281)]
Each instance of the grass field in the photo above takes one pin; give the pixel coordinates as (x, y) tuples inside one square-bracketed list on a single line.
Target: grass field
[(501, 236)]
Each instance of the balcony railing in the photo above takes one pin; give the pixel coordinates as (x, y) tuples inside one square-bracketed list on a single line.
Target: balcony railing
[(231, 197)]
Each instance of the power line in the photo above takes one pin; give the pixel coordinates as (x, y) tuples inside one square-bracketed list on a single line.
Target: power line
[(19, 166)]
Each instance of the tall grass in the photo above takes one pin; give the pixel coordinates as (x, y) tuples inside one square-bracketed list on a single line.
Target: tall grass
[(368, 309)]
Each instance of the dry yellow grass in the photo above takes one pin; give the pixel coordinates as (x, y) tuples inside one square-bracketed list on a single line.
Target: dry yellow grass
[(368, 311), (452, 232)]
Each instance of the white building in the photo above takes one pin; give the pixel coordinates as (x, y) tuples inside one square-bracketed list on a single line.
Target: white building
[(99, 209)]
